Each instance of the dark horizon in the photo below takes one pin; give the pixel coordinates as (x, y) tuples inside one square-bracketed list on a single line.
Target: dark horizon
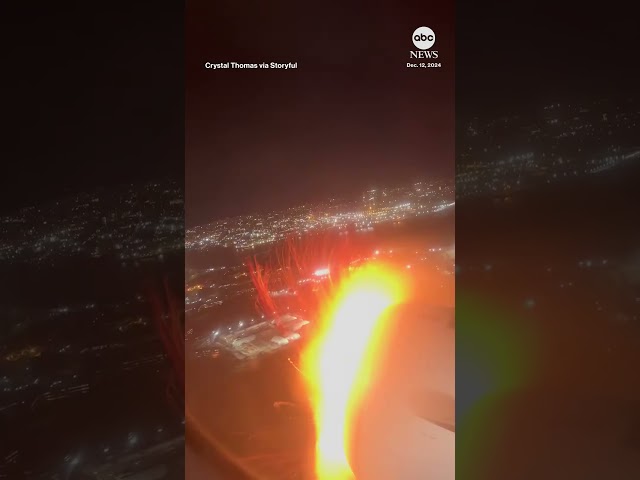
[(510, 58), (514, 67), (83, 99), (351, 115)]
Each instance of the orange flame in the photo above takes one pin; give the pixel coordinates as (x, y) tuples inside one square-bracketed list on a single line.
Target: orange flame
[(341, 359)]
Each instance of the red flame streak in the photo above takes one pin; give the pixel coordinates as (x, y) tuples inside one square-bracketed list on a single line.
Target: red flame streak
[(297, 258)]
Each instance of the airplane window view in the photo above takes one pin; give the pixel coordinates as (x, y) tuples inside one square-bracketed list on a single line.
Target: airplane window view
[(319, 247), (286, 241)]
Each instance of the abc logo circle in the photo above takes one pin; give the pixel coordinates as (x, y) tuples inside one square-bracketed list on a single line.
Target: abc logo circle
[(423, 38)]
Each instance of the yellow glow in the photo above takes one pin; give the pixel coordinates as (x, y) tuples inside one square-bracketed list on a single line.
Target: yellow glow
[(339, 362)]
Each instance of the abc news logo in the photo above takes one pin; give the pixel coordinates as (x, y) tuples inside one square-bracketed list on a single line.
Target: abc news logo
[(423, 38)]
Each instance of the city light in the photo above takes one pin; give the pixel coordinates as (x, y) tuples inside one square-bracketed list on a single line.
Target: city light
[(393, 205), (321, 272), (339, 361)]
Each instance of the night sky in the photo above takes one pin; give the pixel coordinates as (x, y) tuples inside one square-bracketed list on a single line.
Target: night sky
[(512, 56), (93, 94), (351, 116)]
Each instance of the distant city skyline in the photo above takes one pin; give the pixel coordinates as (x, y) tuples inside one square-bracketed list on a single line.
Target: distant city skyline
[(349, 116), (361, 212)]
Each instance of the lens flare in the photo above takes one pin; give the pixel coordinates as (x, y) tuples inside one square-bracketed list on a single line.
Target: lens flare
[(339, 362)]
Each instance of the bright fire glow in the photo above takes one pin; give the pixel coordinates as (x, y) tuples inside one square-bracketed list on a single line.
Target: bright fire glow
[(340, 360)]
